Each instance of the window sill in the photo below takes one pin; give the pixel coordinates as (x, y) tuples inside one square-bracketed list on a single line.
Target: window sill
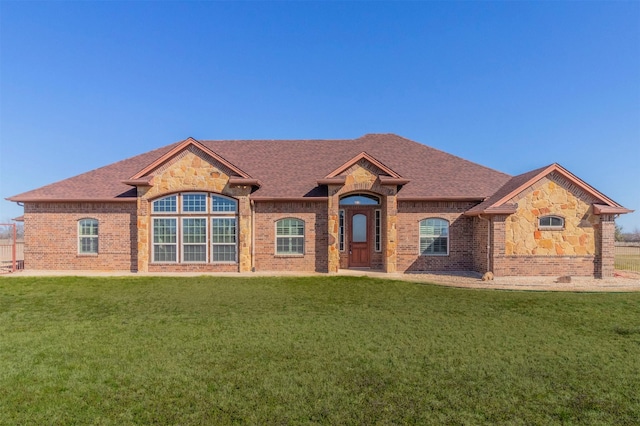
[(550, 228), (289, 255), (87, 254), (434, 255)]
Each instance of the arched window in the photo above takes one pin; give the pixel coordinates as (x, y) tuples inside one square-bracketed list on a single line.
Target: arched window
[(290, 236), (551, 222), (194, 227), (88, 236), (360, 199), (434, 237)]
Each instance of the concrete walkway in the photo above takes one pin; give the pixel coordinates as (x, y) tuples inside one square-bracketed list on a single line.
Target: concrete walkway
[(622, 282)]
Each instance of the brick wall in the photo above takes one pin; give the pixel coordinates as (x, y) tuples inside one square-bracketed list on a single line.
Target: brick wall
[(480, 233), (51, 236), (314, 215), (553, 266), (461, 236)]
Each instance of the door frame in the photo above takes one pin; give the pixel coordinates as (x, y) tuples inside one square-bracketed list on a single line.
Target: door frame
[(368, 212)]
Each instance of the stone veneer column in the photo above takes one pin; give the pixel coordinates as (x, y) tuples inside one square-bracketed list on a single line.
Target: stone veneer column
[(144, 233), (244, 234), (391, 240), (333, 220), (605, 247)]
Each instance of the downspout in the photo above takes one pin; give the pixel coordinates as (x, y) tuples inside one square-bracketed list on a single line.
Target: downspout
[(253, 236), (488, 241)]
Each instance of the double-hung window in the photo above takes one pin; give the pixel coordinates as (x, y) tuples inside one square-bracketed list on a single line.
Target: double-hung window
[(88, 236), (290, 237), (434, 237), (194, 227)]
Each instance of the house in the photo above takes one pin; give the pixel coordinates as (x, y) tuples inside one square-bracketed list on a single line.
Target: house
[(379, 201)]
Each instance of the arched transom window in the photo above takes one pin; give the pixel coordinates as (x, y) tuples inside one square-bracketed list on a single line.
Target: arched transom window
[(194, 227), (550, 222)]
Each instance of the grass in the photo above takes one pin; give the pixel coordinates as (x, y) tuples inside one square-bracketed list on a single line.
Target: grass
[(314, 350)]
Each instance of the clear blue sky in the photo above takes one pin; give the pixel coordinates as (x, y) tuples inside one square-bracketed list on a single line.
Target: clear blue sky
[(510, 85)]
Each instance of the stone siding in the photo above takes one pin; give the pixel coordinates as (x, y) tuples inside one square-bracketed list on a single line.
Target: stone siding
[(192, 170), (551, 196), (51, 236)]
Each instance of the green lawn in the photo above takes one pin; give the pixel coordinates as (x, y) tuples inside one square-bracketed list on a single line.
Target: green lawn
[(317, 350)]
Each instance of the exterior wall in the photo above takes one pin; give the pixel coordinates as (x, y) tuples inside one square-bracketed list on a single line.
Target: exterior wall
[(461, 236), (481, 229), (314, 215), (552, 197), (377, 257), (364, 177), (51, 236), (193, 170), (528, 250)]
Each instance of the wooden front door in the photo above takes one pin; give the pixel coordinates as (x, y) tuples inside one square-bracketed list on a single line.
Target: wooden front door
[(359, 241)]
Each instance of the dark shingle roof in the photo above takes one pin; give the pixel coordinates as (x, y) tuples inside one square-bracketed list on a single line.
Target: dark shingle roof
[(291, 168)]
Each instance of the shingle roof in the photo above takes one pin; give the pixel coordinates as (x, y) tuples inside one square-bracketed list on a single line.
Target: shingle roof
[(291, 169)]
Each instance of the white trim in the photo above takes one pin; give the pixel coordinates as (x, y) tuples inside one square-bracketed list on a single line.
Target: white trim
[(207, 199), (420, 236), (377, 230), (342, 230), (303, 236), (235, 244), (80, 236), (153, 243), (182, 244)]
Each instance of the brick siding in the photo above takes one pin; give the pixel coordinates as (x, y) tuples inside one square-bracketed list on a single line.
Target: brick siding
[(314, 215), (461, 232), (51, 236)]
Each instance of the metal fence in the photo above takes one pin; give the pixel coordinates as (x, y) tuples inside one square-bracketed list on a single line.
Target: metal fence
[(11, 249), (628, 256)]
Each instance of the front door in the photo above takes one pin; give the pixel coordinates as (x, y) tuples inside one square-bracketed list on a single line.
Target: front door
[(359, 249)]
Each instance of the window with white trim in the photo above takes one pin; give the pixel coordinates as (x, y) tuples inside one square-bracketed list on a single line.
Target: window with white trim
[(194, 239), (551, 222), (434, 237), (165, 239), (223, 240), (88, 236), (204, 230), (290, 236)]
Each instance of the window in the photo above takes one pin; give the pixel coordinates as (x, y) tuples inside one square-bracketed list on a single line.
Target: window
[(194, 239), (194, 203), (290, 236), (223, 239), (360, 200), (341, 230), (378, 241), (88, 236), (165, 240), (203, 230), (222, 204), (165, 205), (551, 222), (434, 237)]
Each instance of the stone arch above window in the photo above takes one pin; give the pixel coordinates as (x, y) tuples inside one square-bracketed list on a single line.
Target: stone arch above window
[(434, 237), (550, 222), (360, 199)]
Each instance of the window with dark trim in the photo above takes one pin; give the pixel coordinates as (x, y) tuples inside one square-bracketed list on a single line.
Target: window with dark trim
[(290, 237), (434, 237), (88, 236), (551, 222)]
